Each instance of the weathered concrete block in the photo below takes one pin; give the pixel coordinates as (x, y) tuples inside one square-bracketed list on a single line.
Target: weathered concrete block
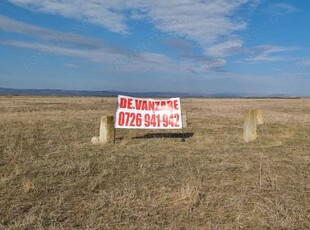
[(184, 118), (250, 125), (259, 117), (106, 130)]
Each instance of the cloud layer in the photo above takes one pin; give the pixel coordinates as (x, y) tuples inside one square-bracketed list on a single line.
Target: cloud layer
[(212, 25), (205, 22)]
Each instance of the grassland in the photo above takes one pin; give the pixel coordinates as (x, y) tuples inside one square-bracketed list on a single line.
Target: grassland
[(51, 177)]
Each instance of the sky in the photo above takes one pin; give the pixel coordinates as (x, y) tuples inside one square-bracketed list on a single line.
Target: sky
[(253, 47)]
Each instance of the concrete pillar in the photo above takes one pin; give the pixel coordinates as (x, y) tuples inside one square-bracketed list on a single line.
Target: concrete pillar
[(250, 125), (184, 118), (106, 130)]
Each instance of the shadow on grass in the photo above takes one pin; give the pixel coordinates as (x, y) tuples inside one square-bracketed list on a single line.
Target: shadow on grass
[(183, 136)]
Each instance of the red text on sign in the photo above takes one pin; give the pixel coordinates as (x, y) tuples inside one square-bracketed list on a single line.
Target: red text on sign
[(148, 105), (148, 120)]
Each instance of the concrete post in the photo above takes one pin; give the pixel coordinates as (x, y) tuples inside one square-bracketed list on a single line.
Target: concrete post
[(106, 130), (184, 118), (250, 124)]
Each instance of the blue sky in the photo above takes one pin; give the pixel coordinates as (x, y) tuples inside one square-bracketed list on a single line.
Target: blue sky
[(195, 46)]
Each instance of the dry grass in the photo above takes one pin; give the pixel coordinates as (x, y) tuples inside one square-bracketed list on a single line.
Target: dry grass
[(52, 177)]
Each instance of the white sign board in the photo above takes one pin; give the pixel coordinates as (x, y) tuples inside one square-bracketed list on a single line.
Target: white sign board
[(142, 113)]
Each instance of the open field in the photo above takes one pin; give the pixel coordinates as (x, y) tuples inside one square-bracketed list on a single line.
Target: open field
[(51, 177)]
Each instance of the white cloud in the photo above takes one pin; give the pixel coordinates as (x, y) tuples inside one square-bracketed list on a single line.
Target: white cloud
[(48, 42), (213, 63), (269, 53), (211, 24), (105, 13), (225, 49), (113, 62), (282, 8), (302, 62), (206, 22), (52, 36)]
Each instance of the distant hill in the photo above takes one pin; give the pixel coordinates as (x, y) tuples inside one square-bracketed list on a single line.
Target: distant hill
[(59, 92)]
